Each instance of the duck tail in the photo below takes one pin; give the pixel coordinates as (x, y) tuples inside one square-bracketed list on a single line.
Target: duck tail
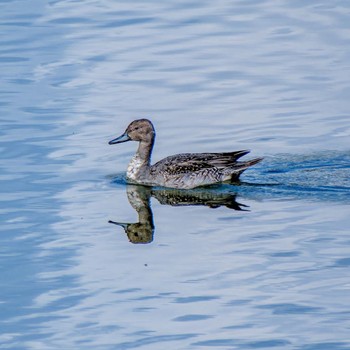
[(241, 166), (249, 163)]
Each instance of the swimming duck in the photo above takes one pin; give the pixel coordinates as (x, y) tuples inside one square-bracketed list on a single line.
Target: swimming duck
[(187, 170)]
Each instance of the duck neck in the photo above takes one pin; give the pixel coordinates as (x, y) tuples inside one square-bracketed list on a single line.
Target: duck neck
[(140, 162), (144, 152)]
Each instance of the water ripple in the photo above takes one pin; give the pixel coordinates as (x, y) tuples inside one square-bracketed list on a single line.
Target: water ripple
[(213, 76)]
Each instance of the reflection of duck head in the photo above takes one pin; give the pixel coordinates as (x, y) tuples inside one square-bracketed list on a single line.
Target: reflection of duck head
[(137, 232), (142, 231), (139, 198)]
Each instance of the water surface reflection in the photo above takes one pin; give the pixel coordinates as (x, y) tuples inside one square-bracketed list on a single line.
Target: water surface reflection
[(139, 197)]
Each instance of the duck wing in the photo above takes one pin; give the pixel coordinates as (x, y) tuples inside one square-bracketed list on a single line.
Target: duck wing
[(192, 162)]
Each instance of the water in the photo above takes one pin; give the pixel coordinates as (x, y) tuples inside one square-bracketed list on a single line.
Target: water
[(262, 264)]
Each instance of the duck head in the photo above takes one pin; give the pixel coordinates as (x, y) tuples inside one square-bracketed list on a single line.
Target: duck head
[(140, 130)]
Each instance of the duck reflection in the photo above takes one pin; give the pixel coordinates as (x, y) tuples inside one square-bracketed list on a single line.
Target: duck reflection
[(139, 197), (141, 231)]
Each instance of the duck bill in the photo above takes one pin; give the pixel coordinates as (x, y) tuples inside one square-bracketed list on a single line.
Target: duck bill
[(124, 225), (123, 138)]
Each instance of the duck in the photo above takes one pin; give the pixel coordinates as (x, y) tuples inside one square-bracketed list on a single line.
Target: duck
[(181, 171)]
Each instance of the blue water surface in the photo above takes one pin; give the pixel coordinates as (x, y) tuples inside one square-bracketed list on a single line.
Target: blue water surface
[(259, 264)]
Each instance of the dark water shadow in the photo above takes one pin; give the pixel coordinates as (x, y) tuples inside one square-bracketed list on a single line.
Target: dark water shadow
[(321, 176)]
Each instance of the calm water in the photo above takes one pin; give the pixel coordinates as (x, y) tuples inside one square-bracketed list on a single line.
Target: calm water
[(259, 265)]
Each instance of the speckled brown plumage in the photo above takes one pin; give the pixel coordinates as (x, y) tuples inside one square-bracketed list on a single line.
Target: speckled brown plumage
[(187, 170)]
